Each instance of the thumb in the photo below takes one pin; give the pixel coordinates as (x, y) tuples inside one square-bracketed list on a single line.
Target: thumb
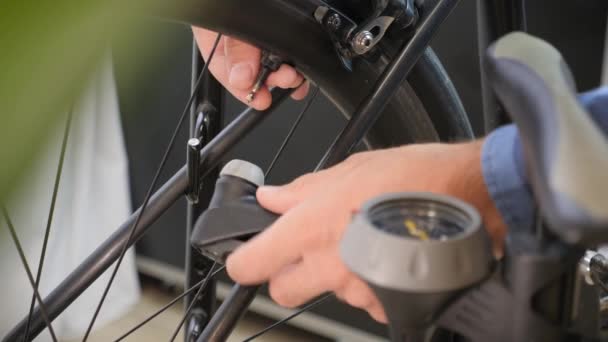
[(242, 63)]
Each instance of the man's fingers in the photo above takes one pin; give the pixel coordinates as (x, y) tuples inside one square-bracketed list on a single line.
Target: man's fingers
[(205, 40), (277, 246), (236, 65), (296, 285), (277, 199), (301, 92), (377, 313), (317, 273), (288, 77), (280, 199), (285, 77), (242, 63), (356, 293)]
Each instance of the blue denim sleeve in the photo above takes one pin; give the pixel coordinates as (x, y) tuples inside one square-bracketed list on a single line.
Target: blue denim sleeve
[(504, 168)]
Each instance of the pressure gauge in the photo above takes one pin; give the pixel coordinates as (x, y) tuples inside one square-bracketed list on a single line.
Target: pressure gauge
[(417, 242), (417, 252), (421, 220)]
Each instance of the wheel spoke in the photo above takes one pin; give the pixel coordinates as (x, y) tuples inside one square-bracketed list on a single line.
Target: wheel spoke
[(305, 108), (276, 157), (151, 188), (288, 318), (17, 243), (49, 220), (191, 306), (200, 284)]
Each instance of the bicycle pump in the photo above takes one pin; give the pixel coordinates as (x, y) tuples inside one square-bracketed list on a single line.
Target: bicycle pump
[(417, 251)]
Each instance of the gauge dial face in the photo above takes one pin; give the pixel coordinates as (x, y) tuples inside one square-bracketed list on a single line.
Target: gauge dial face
[(424, 224)]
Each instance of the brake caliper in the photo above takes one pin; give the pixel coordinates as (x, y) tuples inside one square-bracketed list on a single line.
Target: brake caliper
[(352, 39)]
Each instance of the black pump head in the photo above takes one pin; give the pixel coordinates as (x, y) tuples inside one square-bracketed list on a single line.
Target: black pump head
[(234, 215)]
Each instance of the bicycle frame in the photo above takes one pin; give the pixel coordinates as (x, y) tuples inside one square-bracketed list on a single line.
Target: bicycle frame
[(206, 116), (213, 15)]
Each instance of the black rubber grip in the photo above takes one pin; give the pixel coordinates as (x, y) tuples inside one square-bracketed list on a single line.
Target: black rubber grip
[(566, 153)]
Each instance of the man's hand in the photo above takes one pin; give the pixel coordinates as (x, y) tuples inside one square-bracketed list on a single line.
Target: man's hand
[(236, 65), (299, 255)]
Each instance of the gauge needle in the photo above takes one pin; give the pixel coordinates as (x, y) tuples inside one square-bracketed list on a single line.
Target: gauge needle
[(412, 228)]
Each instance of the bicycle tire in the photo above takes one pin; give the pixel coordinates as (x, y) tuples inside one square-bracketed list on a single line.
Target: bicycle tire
[(405, 119), (426, 108)]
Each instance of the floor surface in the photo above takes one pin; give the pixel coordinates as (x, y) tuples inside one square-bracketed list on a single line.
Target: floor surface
[(163, 326)]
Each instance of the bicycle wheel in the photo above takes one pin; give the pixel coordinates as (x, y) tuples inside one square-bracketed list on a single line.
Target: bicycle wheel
[(404, 120), (431, 113)]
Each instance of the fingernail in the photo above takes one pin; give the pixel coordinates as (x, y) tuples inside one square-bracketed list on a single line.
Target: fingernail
[(269, 190), (241, 75)]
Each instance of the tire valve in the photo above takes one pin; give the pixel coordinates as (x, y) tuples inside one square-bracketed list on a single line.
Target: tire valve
[(259, 82), (269, 63)]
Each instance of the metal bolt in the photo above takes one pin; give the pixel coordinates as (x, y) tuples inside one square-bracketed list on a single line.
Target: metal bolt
[(363, 41), (334, 21), (584, 267)]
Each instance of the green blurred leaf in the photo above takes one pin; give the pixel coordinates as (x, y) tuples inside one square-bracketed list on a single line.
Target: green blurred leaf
[(47, 51)]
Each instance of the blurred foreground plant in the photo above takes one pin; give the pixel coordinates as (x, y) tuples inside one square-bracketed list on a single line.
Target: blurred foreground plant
[(47, 51)]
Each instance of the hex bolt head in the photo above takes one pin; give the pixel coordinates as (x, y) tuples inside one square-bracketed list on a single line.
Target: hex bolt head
[(363, 42), (334, 21)]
